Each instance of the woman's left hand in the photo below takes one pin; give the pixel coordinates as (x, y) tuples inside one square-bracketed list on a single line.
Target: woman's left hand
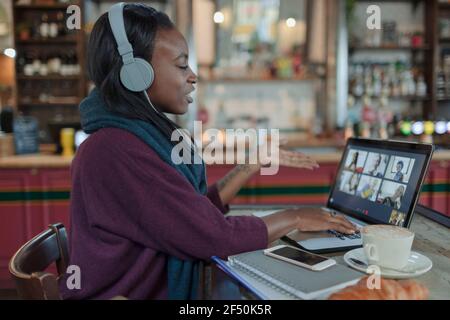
[(296, 160), (286, 158)]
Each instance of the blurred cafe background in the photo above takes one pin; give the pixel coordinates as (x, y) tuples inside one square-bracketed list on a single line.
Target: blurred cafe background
[(310, 68)]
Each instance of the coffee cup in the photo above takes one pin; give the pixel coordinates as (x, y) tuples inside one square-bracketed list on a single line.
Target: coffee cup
[(387, 246)]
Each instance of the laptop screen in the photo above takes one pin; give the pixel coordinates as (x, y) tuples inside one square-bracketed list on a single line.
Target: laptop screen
[(379, 181)]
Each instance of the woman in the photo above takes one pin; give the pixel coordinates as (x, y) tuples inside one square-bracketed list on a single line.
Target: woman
[(395, 201), (352, 183), (399, 174), (139, 223), (368, 190), (352, 165), (376, 166)]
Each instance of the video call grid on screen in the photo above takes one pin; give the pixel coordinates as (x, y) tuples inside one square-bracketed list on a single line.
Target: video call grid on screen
[(379, 183)]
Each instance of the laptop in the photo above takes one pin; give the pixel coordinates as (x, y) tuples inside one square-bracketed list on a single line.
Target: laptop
[(377, 182)]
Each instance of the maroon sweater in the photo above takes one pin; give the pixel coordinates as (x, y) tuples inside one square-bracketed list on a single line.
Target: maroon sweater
[(130, 211)]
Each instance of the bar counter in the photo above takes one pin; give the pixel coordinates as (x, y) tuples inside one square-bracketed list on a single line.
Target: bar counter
[(321, 155)]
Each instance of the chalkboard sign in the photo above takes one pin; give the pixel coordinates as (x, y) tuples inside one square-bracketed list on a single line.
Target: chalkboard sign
[(26, 135)]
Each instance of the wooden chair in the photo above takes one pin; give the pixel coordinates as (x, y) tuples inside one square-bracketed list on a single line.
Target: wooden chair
[(29, 263)]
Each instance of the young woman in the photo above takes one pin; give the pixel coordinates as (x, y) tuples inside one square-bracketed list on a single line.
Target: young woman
[(352, 165), (395, 201), (139, 223)]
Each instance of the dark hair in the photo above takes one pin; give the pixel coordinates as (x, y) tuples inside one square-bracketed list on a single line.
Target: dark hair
[(401, 163), (104, 62)]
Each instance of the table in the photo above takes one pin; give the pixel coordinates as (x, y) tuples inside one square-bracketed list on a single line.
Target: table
[(431, 239)]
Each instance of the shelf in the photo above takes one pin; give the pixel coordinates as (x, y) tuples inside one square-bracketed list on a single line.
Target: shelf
[(68, 40), (48, 77), (56, 6), (389, 48), (394, 1), (37, 103), (250, 80), (133, 1), (405, 98), (444, 5)]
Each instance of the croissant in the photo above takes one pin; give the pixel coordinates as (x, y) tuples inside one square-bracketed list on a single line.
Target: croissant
[(390, 290)]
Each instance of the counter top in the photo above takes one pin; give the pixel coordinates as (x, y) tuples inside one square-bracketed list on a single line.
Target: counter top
[(35, 161), (321, 155)]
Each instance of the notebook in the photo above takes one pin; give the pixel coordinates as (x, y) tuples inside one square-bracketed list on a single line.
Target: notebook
[(270, 278)]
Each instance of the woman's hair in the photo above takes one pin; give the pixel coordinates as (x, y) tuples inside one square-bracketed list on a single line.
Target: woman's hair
[(104, 62)]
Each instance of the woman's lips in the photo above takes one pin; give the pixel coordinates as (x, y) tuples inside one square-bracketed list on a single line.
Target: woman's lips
[(189, 99)]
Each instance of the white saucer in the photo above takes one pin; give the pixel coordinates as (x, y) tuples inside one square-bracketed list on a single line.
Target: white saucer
[(418, 264)]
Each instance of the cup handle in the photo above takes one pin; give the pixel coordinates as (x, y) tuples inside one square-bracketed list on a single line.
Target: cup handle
[(371, 251)]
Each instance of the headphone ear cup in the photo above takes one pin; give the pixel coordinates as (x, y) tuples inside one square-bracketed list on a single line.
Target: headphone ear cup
[(137, 76)]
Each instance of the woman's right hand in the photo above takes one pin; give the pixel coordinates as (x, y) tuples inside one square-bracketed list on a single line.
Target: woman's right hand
[(305, 219), (316, 219)]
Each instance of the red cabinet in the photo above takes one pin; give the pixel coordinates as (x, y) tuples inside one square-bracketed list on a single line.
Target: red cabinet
[(30, 199), (294, 186), (436, 190)]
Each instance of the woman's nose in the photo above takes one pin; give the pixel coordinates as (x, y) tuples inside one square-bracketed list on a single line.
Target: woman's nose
[(193, 78)]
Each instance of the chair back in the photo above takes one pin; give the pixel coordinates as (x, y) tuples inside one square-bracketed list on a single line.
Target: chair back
[(28, 265)]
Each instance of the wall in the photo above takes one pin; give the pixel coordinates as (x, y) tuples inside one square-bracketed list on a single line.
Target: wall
[(287, 104)]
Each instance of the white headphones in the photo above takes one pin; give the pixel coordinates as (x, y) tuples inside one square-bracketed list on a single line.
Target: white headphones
[(136, 74)]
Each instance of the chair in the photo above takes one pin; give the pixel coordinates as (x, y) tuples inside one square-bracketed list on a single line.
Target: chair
[(29, 263)]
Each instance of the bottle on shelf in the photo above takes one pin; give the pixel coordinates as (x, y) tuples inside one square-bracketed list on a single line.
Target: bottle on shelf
[(349, 130), (36, 64), (392, 80), (365, 130), (61, 24), (44, 27), (43, 68), (421, 86), (54, 64), (440, 84), (410, 83), (21, 63), (53, 29), (383, 131)]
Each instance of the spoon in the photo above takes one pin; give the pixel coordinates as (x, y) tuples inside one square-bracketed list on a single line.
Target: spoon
[(363, 264)]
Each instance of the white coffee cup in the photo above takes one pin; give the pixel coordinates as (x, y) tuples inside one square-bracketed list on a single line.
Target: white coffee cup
[(387, 246)]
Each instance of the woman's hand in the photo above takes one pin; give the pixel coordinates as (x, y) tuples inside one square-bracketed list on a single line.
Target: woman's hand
[(288, 158), (296, 160), (305, 219), (316, 219)]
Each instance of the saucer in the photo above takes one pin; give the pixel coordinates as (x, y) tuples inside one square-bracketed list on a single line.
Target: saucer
[(418, 264)]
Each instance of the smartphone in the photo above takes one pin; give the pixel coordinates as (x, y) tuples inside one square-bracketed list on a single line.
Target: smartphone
[(300, 258)]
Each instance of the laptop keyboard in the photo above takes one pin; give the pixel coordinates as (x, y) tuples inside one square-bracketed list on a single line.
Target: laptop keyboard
[(343, 236)]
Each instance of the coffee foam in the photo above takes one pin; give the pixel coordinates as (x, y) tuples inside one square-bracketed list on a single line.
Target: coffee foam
[(387, 231)]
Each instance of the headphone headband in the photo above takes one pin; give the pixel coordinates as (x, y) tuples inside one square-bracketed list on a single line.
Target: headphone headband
[(136, 74), (115, 16)]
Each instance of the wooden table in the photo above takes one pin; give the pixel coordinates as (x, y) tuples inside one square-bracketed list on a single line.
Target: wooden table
[(431, 239)]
